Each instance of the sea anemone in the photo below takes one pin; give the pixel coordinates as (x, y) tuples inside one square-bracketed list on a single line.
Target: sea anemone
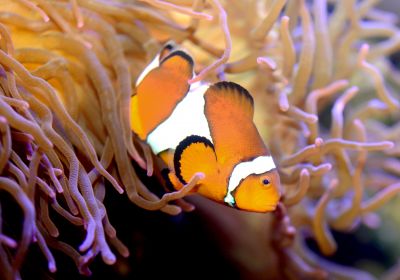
[(326, 104)]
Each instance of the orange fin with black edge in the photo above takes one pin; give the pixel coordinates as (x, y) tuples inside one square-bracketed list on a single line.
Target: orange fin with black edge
[(233, 95), (160, 91), (194, 154), (229, 110)]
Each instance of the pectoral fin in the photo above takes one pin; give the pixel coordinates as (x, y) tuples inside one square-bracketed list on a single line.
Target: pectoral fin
[(194, 154)]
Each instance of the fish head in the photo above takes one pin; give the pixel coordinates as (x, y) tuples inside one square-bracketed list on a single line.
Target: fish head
[(259, 192)]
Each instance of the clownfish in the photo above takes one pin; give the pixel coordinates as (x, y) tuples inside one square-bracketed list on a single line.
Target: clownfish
[(204, 128)]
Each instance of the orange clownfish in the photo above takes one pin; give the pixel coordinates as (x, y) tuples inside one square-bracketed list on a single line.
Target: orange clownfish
[(204, 128)]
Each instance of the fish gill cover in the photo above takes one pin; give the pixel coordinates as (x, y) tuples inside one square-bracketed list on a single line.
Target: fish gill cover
[(326, 103)]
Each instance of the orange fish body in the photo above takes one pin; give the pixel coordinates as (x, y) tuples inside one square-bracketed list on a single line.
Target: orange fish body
[(204, 128)]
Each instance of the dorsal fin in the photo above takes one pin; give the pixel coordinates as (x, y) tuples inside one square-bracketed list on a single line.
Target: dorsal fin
[(238, 96), (159, 92), (229, 111)]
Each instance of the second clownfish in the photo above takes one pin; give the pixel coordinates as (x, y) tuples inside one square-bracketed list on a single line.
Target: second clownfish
[(204, 128)]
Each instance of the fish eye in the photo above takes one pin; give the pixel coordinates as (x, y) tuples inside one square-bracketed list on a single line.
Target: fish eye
[(265, 181)]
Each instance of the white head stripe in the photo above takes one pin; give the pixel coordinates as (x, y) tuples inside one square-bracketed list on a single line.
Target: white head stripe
[(154, 64), (258, 165)]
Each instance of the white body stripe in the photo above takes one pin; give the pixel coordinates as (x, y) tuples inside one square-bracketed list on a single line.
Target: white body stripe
[(258, 165), (154, 64), (187, 119)]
